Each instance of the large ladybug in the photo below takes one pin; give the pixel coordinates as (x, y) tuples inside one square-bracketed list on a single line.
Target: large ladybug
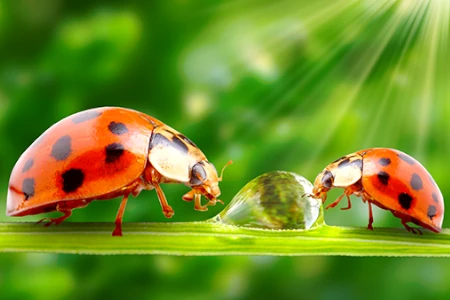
[(389, 179), (103, 153)]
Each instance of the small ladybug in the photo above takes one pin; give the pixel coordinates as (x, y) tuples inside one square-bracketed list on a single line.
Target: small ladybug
[(103, 153), (389, 179)]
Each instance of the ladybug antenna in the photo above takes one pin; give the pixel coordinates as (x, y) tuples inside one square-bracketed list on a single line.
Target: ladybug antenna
[(226, 165)]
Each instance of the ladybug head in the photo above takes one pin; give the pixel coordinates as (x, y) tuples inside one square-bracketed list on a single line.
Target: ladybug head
[(343, 173), (322, 184), (204, 180)]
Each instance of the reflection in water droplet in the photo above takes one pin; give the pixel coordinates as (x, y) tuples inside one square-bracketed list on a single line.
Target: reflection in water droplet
[(274, 200)]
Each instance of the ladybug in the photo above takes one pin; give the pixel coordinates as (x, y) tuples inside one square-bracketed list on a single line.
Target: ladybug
[(103, 153), (390, 179)]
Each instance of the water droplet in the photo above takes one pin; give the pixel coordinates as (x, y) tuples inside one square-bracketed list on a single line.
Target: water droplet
[(275, 200)]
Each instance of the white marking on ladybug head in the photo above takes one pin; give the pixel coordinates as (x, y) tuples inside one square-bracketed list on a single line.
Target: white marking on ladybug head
[(347, 171), (178, 160), (173, 155), (342, 173)]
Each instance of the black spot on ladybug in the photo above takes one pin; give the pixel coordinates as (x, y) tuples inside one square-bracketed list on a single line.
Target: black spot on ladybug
[(179, 143), (62, 148), (435, 197), (405, 200), (184, 138), (416, 182), (28, 187), (383, 177), (344, 163), (27, 165), (406, 158), (339, 159), (158, 139), (85, 116), (384, 161), (117, 128), (72, 179), (113, 152), (347, 162), (431, 211)]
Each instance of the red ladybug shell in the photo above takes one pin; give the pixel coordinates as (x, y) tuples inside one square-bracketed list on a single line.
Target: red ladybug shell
[(86, 155), (398, 182), (390, 179)]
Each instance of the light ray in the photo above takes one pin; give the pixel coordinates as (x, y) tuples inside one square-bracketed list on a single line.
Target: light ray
[(412, 25), (303, 75), (444, 86), (406, 19), (361, 70), (430, 39)]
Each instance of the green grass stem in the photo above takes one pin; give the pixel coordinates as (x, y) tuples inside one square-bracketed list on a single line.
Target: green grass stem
[(206, 238)]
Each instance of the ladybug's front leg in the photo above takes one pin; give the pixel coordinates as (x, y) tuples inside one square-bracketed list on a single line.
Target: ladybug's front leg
[(198, 203), (189, 196), (335, 202), (197, 196), (192, 195), (213, 202), (352, 189), (348, 191)]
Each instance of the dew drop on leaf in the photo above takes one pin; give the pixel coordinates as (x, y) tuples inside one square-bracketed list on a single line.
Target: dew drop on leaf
[(274, 200)]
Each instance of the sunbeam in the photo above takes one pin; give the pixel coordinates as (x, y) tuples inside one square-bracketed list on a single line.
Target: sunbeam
[(342, 98), (412, 23), (340, 87), (430, 41)]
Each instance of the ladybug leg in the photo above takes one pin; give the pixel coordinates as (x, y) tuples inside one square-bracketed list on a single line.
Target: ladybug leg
[(196, 195), (154, 178), (336, 202), (411, 229), (349, 204), (166, 208), (213, 202), (323, 196), (370, 227), (189, 196), (118, 230), (198, 203), (65, 208), (56, 221)]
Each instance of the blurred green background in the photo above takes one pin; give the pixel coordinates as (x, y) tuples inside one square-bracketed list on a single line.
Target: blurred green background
[(272, 85)]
